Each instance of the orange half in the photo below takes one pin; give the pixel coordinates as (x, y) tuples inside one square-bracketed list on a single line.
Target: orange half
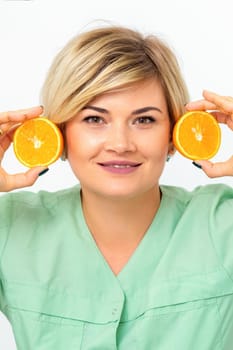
[(38, 142), (197, 135)]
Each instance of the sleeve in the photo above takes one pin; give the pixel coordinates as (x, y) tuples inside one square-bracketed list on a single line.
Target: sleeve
[(221, 226)]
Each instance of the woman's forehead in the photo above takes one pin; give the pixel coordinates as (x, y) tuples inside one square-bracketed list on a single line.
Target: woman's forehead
[(141, 87)]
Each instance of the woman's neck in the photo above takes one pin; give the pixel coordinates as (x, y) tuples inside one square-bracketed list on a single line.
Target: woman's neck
[(118, 226)]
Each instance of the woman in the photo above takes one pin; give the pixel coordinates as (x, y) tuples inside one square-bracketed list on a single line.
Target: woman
[(118, 262)]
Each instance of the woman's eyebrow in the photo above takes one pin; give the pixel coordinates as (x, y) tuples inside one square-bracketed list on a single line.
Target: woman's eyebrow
[(136, 111), (146, 109), (97, 109)]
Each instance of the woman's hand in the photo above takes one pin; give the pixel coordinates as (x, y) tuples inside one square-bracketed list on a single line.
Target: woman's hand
[(8, 123), (221, 107)]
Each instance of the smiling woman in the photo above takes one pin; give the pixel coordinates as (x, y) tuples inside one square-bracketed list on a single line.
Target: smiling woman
[(118, 261), (128, 134)]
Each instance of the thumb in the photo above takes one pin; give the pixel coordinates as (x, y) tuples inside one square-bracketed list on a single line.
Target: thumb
[(218, 169), (25, 179)]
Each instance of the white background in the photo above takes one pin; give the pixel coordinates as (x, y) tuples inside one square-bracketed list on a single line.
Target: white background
[(32, 32)]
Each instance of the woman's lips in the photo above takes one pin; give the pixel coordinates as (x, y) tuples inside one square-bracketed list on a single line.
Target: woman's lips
[(120, 167)]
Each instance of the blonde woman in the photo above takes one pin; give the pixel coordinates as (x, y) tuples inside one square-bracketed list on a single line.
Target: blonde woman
[(118, 261)]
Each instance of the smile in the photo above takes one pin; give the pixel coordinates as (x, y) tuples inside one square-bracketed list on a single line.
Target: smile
[(120, 167), (120, 164)]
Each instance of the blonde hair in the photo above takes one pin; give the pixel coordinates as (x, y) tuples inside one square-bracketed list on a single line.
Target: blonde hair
[(105, 59)]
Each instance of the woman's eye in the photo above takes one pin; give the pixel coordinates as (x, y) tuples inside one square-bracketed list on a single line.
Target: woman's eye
[(144, 120), (93, 120)]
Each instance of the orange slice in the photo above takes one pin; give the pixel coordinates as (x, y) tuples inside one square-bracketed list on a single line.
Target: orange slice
[(38, 142), (197, 135)]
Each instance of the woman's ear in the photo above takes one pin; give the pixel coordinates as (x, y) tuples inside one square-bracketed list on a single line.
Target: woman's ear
[(64, 152), (171, 151)]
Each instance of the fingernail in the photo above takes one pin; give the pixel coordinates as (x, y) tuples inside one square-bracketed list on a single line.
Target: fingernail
[(43, 172), (197, 165)]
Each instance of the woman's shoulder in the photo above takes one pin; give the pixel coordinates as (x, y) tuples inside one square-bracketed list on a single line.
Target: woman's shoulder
[(209, 201), (213, 192), (26, 211), (39, 198)]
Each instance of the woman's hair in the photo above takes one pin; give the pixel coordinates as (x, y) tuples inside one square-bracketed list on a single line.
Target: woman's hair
[(106, 59)]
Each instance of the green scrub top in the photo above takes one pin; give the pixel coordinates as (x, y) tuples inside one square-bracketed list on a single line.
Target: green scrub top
[(175, 292)]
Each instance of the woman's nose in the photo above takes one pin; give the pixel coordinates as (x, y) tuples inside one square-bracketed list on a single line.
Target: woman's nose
[(119, 139)]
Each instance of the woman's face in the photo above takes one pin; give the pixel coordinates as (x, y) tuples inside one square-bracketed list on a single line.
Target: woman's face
[(118, 144)]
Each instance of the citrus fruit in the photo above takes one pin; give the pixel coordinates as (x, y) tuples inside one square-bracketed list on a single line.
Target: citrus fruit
[(197, 135), (38, 142)]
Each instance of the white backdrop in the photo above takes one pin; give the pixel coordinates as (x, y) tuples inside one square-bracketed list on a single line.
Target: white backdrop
[(32, 32)]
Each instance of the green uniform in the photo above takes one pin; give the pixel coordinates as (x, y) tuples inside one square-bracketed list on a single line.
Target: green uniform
[(175, 293)]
